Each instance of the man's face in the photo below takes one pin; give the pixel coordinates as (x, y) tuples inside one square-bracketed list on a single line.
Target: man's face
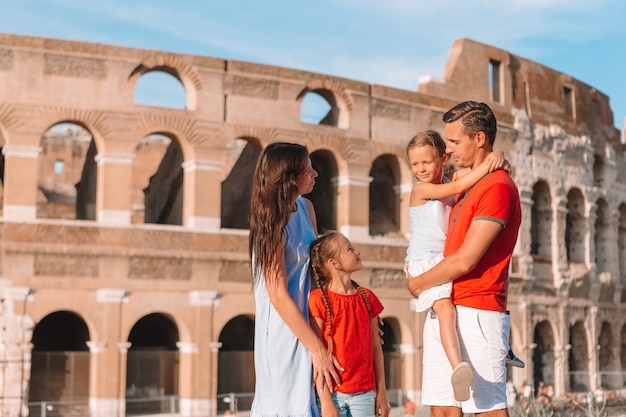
[(461, 148)]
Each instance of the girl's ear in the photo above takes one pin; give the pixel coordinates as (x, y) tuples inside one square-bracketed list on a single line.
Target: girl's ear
[(444, 159)]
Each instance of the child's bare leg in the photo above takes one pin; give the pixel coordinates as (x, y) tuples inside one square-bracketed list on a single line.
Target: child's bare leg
[(462, 373), (446, 314)]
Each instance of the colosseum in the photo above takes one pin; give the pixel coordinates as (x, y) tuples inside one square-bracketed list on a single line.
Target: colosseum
[(125, 284)]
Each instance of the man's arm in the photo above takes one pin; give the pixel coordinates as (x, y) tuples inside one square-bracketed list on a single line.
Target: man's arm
[(478, 239)]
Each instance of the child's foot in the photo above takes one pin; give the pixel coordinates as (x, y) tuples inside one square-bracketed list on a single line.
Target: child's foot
[(461, 379), (512, 360)]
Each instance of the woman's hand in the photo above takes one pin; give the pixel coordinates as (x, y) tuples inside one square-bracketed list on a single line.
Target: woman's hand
[(325, 366)]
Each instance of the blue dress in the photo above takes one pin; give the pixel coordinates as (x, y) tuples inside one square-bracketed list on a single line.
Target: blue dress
[(284, 372)]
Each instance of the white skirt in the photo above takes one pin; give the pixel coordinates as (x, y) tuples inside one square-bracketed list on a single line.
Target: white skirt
[(428, 297)]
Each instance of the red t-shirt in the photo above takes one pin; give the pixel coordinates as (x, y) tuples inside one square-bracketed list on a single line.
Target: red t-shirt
[(495, 198), (352, 336)]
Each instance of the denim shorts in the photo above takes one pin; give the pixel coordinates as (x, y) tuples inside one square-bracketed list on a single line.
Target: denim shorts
[(360, 404)]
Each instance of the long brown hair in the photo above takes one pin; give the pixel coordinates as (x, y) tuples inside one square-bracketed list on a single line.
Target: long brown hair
[(324, 248), (274, 187)]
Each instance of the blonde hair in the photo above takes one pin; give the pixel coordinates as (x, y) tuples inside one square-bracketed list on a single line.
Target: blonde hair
[(428, 138), (323, 249)]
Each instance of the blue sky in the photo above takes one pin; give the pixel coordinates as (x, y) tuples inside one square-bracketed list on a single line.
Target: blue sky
[(388, 42)]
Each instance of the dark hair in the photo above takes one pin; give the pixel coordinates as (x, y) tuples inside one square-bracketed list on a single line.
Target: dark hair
[(274, 186), (475, 117), (428, 138), (324, 248)]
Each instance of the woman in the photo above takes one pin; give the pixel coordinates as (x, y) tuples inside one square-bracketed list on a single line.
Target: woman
[(287, 352)]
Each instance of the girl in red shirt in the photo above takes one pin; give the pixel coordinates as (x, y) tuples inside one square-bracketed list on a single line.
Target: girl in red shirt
[(345, 316)]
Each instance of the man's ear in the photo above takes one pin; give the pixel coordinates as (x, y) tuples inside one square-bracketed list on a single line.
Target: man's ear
[(481, 139)]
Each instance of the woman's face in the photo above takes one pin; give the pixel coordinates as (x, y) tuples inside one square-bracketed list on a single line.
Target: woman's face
[(306, 181)]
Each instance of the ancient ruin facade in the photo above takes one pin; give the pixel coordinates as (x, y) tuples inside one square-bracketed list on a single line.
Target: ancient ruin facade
[(123, 228)]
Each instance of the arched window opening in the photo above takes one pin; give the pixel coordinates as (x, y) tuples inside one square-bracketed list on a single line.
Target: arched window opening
[(392, 337), (67, 174), (160, 89), (152, 364), (235, 201), (601, 236), (319, 107), (575, 227), (60, 364), (543, 354), (163, 196), (236, 365), (606, 361), (622, 350), (578, 362), (621, 242), (541, 221), (599, 171), (384, 198), (2, 141), (324, 194)]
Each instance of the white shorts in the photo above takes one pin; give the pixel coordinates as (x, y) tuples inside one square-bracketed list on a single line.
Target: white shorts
[(484, 339), (426, 298)]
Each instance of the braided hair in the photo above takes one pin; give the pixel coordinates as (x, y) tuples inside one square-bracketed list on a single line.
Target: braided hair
[(324, 248)]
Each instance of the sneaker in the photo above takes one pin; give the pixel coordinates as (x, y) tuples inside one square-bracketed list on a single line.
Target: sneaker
[(512, 360), (461, 379)]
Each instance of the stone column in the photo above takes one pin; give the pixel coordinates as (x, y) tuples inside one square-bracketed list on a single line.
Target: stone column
[(114, 189), (188, 359), (412, 356), (202, 195), (107, 390), (15, 348), (560, 266), (21, 164), (353, 207), (201, 392)]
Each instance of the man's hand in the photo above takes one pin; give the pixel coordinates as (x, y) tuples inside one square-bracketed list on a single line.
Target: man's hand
[(413, 285)]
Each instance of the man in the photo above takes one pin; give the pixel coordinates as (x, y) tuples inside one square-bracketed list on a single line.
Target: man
[(482, 232)]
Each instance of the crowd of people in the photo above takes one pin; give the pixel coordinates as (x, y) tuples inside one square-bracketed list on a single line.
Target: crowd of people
[(317, 346)]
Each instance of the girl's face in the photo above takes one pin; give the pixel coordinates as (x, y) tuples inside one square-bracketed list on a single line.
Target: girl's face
[(306, 181), (349, 258), (426, 164)]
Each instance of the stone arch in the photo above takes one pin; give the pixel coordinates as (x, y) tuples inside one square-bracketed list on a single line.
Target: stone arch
[(601, 236), (541, 220), (384, 196), (599, 170), (60, 360), (243, 154), (543, 353), (621, 244), (324, 194), (174, 65), (607, 362), (186, 131), (337, 96), (575, 228), (67, 173), (152, 366), (392, 338), (163, 197), (578, 358), (236, 361), (93, 121), (622, 350)]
